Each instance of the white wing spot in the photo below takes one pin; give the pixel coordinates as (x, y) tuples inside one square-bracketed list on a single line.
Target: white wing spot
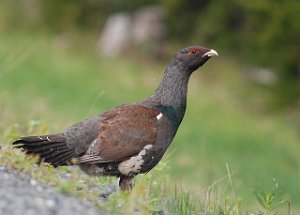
[(48, 139), (159, 116), (93, 145), (40, 138)]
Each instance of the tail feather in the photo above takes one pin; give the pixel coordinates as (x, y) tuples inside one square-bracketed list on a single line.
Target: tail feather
[(62, 158), (50, 153), (41, 149), (50, 148)]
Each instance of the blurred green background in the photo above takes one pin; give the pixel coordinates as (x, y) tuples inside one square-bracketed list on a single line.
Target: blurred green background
[(243, 107)]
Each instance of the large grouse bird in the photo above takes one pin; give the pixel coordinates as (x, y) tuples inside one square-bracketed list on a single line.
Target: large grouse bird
[(129, 139)]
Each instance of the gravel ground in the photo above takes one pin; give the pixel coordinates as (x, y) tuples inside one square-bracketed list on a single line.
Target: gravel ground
[(21, 195)]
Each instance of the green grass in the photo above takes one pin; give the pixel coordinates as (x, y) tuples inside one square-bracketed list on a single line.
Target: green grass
[(56, 82)]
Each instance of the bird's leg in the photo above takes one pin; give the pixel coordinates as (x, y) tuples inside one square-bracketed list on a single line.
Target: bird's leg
[(126, 183)]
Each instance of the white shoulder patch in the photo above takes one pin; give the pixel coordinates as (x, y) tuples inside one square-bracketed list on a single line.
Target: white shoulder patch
[(159, 116)]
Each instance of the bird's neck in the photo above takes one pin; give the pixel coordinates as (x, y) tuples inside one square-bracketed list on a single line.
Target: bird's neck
[(171, 94), (172, 91)]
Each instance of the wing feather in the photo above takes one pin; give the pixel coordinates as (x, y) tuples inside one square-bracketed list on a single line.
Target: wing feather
[(123, 132)]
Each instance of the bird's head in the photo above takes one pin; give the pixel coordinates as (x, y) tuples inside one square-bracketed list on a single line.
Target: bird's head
[(193, 57)]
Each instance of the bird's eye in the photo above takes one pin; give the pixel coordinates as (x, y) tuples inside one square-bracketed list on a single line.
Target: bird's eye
[(194, 51)]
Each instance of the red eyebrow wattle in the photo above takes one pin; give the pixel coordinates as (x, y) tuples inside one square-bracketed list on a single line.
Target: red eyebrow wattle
[(196, 50)]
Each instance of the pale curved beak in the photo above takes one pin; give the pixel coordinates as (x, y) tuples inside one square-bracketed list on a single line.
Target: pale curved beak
[(211, 53)]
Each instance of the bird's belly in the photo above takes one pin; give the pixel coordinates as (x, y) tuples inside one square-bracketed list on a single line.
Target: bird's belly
[(101, 169), (143, 162)]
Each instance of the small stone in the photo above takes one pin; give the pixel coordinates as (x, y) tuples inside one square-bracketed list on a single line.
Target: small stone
[(50, 203), (33, 182)]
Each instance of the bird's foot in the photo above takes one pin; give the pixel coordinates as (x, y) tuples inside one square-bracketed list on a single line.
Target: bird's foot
[(126, 183)]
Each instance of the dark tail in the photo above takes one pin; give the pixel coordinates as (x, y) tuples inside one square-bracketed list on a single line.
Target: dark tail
[(51, 148)]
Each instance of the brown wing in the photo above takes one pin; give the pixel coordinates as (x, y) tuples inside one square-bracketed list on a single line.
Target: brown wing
[(123, 132)]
